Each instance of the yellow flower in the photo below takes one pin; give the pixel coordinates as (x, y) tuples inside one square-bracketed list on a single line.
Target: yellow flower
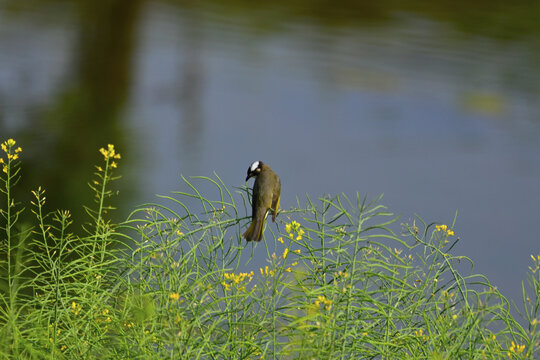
[(18, 150), (285, 252), (445, 229), (441, 227), (420, 333), (237, 280), (109, 153), (292, 227), (280, 239), (174, 296), (322, 300), (1, 160), (76, 308), (515, 349), (267, 271), (9, 144), (113, 165), (288, 228), (300, 233), (297, 251)]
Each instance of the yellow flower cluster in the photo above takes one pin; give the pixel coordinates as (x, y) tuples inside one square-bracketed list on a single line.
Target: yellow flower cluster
[(174, 296), (236, 280), (289, 269), (105, 316), (110, 153), (267, 271), (287, 251), (515, 349), (294, 227), (447, 294), (9, 143), (322, 300), (76, 308), (444, 229), (12, 154), (129, 324), (420, 334), (106, 313)]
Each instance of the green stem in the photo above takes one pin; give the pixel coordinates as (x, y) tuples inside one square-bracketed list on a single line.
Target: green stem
[(100, 208)]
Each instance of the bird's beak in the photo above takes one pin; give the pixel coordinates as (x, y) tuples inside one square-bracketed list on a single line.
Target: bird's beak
[(247, 177)]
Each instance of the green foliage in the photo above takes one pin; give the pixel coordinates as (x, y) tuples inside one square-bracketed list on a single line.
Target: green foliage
[(342, 279)]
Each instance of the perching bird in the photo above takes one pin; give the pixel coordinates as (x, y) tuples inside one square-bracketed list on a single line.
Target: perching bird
[(266, 196)]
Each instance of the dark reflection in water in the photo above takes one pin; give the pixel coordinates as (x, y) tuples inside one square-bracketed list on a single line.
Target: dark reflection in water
[(191, 89), (433, 103), (85, 114)]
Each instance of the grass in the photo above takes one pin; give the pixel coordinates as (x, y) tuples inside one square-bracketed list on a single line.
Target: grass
[(343, 279)]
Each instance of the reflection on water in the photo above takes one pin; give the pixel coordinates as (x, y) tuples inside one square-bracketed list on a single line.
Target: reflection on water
[(83, 113), (435, 106)]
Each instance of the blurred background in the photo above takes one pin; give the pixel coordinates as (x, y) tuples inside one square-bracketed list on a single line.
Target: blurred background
[(433, 104)]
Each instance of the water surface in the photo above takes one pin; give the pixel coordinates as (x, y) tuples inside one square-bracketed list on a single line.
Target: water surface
[(436, 107)]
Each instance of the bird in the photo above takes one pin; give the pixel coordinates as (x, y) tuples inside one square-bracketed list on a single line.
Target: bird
[(266, 196)]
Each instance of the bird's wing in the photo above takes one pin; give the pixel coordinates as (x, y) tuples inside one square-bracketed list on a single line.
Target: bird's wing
[(254, 201), (276, 197)]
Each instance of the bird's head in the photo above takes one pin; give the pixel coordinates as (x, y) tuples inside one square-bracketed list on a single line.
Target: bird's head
[(254, 169)]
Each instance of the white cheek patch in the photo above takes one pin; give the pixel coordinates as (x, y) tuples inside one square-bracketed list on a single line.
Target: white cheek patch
[(254, 166)]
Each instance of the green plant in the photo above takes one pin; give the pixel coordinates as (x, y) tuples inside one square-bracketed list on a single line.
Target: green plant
[(342, 278)]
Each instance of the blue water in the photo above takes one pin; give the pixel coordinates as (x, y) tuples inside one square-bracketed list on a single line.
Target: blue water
[(437, 117)]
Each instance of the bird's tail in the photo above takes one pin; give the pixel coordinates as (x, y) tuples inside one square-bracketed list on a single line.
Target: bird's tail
[(255, 230)]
